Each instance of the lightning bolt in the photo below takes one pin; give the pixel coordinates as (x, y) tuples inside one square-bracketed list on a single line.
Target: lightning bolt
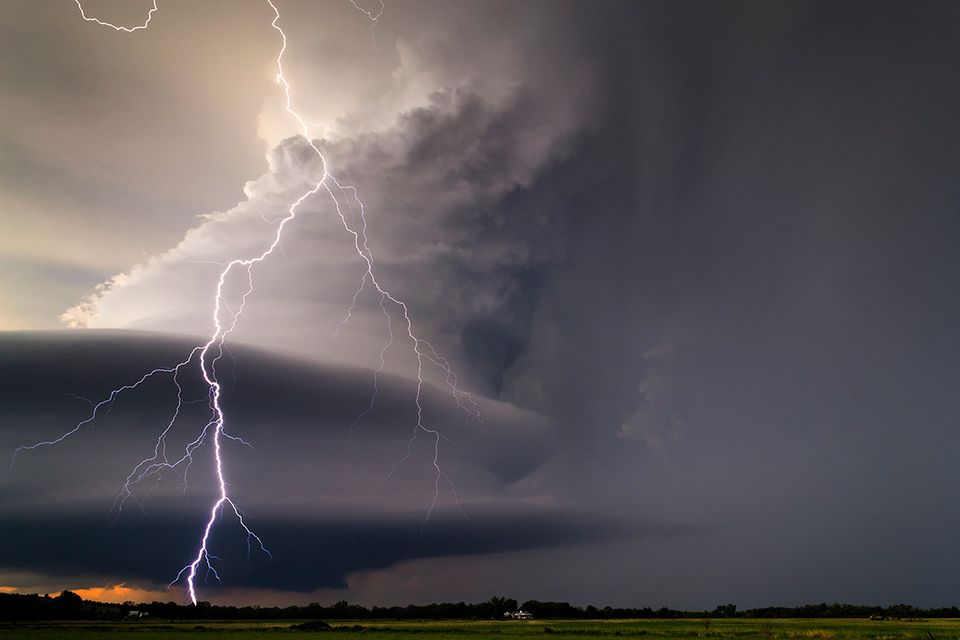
[(139, 27), (370, 14), (225, 320), (422, 349)]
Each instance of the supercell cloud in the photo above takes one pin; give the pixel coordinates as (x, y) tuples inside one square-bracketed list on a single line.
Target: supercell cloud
[(697, 261)]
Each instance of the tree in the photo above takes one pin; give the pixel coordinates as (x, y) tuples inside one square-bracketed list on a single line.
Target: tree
[(725, 611), (499, 605), (69, 597)]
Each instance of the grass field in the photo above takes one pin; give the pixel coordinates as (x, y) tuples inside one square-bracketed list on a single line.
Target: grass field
[(727, 629)]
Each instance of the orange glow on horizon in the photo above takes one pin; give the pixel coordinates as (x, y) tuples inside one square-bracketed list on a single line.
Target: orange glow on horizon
[(120, 593), (117, 593)]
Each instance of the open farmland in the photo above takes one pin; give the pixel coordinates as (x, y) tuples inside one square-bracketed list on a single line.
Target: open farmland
[(700, 629)]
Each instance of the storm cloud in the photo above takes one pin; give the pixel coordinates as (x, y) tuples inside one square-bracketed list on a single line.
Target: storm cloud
[(331, 497), (307, 554), (698, 261)]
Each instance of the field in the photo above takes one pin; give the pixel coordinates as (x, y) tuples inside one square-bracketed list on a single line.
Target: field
[(726, 629)]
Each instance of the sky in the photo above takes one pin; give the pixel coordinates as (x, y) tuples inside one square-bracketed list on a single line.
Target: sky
[(693, 265)]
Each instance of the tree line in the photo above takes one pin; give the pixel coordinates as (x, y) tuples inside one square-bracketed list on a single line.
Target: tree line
[(70, 606)]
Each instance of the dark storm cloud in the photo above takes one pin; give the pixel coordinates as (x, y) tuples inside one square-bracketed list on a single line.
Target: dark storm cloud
[(308, 553), (749, 273), (715, 244), (296, 413), (761, 289), (484, 247), (278, 404), (768, 170)]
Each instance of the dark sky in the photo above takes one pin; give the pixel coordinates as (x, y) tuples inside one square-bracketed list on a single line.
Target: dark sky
[(697, 261)]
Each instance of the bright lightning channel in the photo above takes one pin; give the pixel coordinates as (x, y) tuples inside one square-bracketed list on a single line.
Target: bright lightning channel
[(139, 27), (370, 14), (224, 322), (421, 348)]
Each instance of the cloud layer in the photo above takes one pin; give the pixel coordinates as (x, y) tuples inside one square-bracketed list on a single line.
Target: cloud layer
[(702, 256), (331, 497)]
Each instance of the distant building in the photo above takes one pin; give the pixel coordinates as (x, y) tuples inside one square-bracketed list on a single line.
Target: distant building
[(518, 615), (136, 614)]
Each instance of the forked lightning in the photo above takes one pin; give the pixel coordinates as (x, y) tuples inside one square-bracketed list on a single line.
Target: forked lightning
[(225, 319)]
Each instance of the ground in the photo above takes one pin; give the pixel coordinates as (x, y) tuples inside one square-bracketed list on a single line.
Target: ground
[(727, 629)]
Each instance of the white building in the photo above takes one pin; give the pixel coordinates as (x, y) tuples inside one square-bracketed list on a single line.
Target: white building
[(518, 615)]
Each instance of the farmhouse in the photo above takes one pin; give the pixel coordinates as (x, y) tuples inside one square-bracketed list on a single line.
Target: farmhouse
[(518, 615)]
